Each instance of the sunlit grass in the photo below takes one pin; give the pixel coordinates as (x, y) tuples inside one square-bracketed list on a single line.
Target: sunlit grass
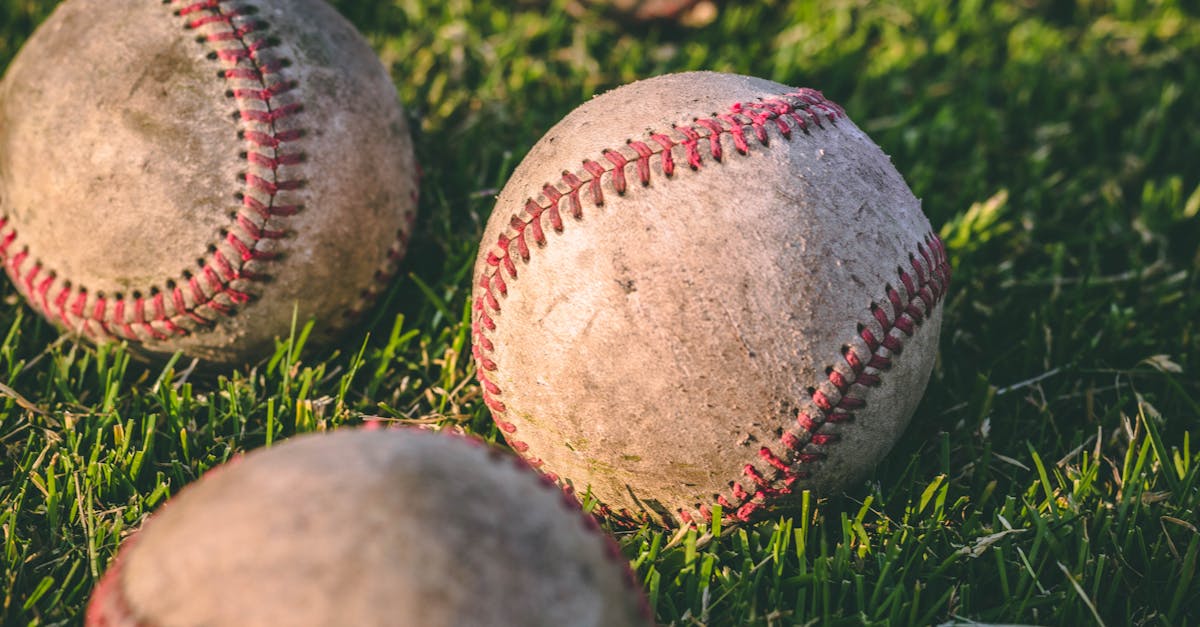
[(1051, 473)]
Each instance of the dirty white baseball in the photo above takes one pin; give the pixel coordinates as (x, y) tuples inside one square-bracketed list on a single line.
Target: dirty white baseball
[(705, 289), (187, 175), (395, 528)]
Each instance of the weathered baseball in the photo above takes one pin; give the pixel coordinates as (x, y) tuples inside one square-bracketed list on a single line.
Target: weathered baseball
[(392, 528), (706, 289), (185, 175)]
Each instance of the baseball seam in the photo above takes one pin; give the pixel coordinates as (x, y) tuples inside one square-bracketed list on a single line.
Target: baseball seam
[(833, 402), (108, 606), (218, 284), (119, 613), (800, 111), (612, 549)]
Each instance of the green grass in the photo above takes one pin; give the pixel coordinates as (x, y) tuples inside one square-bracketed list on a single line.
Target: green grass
[(1052, 472)]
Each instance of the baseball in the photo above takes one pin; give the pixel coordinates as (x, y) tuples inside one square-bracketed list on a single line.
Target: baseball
[(186, 175), (388, 527), (706, 289)]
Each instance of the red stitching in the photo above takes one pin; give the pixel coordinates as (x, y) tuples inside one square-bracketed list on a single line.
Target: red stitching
[(805, 446), (272, 116), (199, 6), (226, 18), (804, 109), (260, 199), (8, 237), (118, 611), (612, 549)]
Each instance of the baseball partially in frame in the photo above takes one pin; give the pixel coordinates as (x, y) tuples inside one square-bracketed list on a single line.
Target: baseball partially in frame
[(371, 528), (188, 175), (705, 289)]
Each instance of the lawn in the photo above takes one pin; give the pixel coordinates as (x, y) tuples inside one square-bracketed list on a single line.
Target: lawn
[(1051, 474)]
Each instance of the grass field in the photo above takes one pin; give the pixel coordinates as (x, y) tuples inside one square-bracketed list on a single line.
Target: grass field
[(1050, 476)]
